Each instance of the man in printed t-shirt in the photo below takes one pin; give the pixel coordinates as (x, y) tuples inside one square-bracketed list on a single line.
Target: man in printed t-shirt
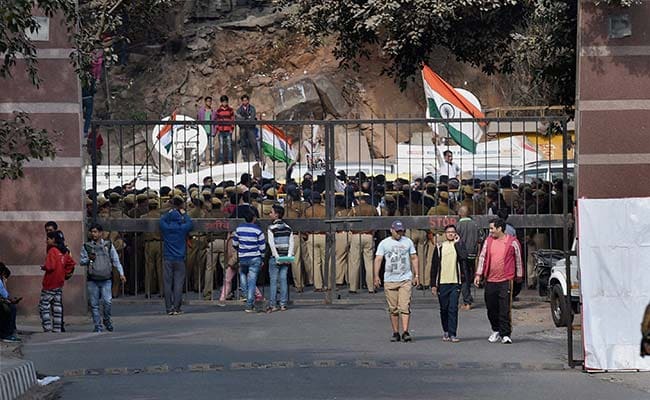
[(400, 275)]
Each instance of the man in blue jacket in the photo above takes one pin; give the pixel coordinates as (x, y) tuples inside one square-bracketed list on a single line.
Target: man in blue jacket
[(174, 227)]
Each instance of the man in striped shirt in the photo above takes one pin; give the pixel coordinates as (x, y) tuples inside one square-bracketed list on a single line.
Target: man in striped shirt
[(250, 245), (280, 239)]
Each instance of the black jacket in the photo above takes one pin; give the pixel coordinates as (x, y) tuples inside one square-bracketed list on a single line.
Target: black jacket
[(461, 258)]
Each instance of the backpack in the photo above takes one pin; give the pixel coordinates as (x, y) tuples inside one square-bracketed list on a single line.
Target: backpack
[(101, 268)]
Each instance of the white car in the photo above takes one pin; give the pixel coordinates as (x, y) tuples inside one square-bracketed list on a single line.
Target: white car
[(544, 170), (557, 291)]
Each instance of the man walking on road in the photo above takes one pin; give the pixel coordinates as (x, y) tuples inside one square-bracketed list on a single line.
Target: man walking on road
[(448, 261), (499, 263), (174, 226), (101, 257), (400, 275)]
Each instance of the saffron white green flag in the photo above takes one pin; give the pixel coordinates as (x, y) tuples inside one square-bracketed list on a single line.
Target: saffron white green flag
[(443, 101), (165, 134), (276, 144)]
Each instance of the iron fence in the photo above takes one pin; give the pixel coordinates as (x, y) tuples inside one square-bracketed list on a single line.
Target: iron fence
[(521, 166)]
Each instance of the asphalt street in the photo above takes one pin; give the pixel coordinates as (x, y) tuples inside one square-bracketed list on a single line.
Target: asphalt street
[(313, 351)]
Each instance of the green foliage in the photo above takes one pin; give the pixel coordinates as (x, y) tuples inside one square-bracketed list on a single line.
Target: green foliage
[(20, 143), (90, 26), (16, 22), (535, 39)]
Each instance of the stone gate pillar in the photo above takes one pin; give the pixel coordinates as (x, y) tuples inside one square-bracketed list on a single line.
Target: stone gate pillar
[(50, 189), (613, 101)]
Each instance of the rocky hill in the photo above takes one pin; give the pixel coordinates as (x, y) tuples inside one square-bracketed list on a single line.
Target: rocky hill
[(242, 49)]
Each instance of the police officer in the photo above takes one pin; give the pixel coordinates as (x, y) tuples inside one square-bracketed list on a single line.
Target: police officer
[(294, 208), (267, 204), (197, 245), (153, 250), (342, 248), (362, 245), (316, 244), (216, 250)]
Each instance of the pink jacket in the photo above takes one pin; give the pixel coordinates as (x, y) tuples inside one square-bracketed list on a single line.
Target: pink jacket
[(513, 263)]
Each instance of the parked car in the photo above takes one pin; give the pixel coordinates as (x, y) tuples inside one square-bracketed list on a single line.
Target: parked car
[(561, 313), (544, 170)]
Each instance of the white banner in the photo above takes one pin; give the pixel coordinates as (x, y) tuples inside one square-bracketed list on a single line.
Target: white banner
[(614, 253)]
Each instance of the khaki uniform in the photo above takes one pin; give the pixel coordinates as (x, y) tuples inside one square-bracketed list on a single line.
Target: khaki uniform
[(265, 209), (195, 254), (362, 247), (153, 274), (216, 251), (342, 251), (296, 209), (316, 248), (118, 242)]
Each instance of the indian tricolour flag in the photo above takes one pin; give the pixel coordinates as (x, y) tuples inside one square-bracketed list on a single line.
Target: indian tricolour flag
[(166, 133), (276, 144), (443, 101)]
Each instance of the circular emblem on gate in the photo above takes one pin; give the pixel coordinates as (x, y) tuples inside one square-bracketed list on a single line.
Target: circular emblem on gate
[(179, 142)]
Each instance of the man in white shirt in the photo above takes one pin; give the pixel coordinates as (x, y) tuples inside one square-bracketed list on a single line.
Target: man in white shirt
[(448, 167)]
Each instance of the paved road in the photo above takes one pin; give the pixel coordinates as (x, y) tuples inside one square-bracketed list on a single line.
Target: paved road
[(312, 351)]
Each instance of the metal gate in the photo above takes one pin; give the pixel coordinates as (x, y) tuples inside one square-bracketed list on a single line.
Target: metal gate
[(395, 164)]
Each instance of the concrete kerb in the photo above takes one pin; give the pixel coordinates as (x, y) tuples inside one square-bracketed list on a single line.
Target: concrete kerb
[(16, 378)]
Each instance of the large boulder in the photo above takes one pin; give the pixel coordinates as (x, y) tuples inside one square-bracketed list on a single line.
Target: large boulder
[(330, 96), (297, 100)]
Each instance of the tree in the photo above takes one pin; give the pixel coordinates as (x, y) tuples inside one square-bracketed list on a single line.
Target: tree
[(19, 143), (93, 25), (534, 38)]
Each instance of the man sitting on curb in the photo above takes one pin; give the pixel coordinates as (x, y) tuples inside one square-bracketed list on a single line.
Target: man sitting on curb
[(7, 308)]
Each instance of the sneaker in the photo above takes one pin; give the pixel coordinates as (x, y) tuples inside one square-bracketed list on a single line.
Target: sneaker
[(11, 339), (170, 313), (506, 340), (445, 337), (97, 330), (179, 312), (494, 337), (283, 308), (109, 327), (221, 303), (395, 337), (406, 337), (454, 339), (250, 309)]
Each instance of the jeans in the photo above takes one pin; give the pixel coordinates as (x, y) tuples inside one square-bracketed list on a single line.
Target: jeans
[(248, 271), (174, 278), (448, 297), (209, 152), (274, 270), (100, 290), (466, 286), (249, 144), (225, 147)]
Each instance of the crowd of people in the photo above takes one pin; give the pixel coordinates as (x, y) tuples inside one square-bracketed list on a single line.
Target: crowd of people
[(200, 261)]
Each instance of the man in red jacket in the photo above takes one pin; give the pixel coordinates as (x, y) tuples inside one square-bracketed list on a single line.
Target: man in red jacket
[(500, 263)]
